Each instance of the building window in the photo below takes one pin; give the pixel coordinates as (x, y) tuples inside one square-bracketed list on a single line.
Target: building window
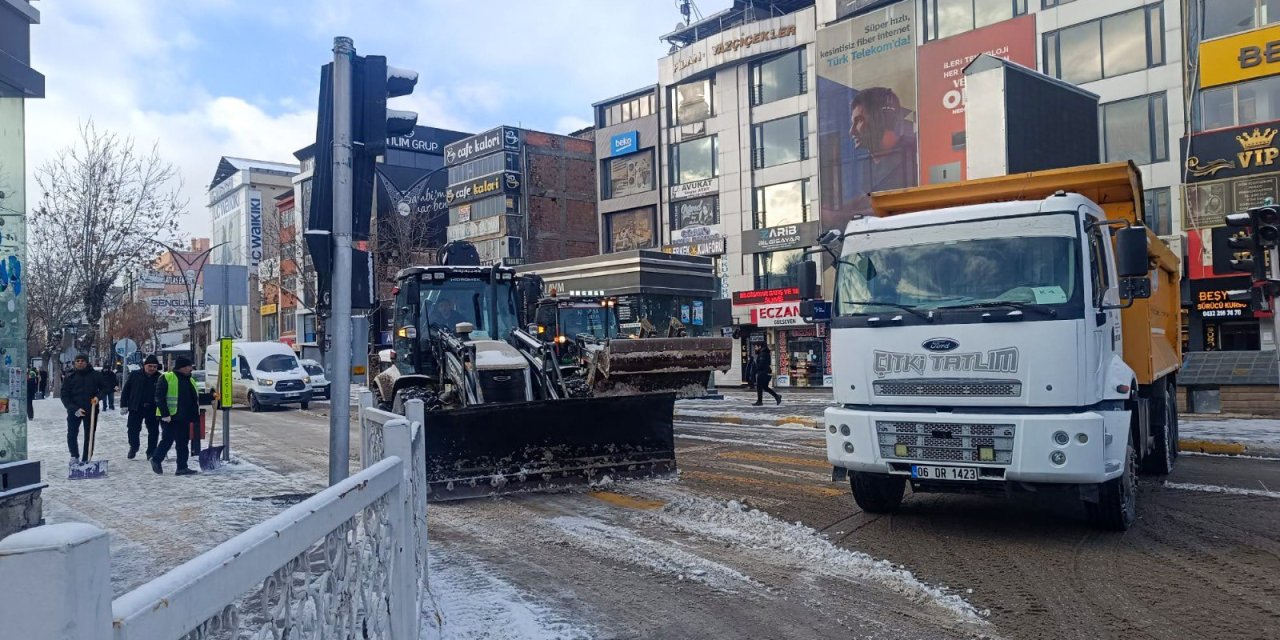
[(1225, 17), (270, 328), (621, 112), (778, 77), (692, 102), (627, 175), (778, 269), (781, 204), (290, 322), (1107, 47), (780, 141), (951, 17), (631, 229), (1049, 4), (1136, 129), (1237, 105), (693, 160), (1158, 210), (698, 212)]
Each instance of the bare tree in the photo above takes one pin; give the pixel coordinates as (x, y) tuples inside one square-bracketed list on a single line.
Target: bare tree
[(109, 200), (134, 320), (51, 303)]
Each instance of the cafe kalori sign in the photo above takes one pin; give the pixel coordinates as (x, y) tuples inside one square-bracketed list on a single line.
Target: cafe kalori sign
[(482, 187)]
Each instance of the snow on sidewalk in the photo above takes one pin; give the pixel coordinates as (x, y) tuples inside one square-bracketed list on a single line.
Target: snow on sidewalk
[(155, 522), (1260, 431)]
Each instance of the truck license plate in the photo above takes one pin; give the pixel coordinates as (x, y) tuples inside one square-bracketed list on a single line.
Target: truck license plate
[(923, 472), (292, 395)]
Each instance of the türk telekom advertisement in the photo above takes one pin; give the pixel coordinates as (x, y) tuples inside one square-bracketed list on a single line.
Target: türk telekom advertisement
[(941, 67), (866, 110)]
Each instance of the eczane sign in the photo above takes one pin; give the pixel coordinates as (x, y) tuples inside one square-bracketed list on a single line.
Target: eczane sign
[(777, 315)]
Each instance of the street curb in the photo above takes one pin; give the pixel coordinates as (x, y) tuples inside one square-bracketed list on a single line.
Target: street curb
[(1227, 448)]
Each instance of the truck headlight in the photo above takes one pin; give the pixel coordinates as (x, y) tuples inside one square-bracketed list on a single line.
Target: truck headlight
[(1057, 457), (848, 447), (1061, 438), (307, 379), (265, 382)]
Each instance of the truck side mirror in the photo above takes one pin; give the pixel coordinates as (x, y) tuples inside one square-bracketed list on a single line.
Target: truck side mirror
[(1131, 252), (808, 280)]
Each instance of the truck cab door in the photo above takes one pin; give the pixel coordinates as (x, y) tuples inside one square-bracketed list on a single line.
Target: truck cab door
[(1103, 319)]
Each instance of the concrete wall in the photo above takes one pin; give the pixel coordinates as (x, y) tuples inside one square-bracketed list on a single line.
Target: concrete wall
[(1254, 400), (560, 189)]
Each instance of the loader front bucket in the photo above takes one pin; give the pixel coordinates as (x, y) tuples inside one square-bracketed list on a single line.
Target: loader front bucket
[(545, 445), (653, 365)]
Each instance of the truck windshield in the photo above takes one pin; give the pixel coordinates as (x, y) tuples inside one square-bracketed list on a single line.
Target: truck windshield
[(455, 300), (961, 266), (596, 321)]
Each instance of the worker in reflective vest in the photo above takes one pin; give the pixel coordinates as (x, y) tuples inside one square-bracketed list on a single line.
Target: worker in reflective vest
[(178, 405)]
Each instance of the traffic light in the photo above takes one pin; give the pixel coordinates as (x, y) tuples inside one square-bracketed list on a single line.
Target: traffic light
[(1266, 226), (374, 83), (1247, 240)]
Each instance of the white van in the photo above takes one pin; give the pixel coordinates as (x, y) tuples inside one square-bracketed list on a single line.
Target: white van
[(264, 374)]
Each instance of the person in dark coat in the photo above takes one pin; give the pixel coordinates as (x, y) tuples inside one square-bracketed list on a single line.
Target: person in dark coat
[(138, 402), (33, 387), (762, 372), (44, 383), (79, 389), (178, 404), (110, 383)]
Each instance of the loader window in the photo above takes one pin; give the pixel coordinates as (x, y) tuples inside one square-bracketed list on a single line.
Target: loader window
[(452, 301), (593, 320)]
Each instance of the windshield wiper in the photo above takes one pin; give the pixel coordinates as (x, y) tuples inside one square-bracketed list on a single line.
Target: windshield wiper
[(1005, 303), (905, 307)]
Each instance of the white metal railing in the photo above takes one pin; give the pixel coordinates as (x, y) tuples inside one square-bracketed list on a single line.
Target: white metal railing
[(349, 562)]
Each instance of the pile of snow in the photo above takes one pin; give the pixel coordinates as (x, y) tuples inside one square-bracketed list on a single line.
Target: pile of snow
[(731, 523), (1245, 430)]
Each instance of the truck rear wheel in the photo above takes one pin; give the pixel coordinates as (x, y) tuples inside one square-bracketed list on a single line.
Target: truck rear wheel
[(1164, 445), (876, 493), (1117, 505)]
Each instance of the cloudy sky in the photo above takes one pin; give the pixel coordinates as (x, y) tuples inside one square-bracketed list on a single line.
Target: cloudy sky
[(207, 78)]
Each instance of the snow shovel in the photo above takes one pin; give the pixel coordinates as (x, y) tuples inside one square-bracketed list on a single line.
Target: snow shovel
[(90, 468), (211, 456)]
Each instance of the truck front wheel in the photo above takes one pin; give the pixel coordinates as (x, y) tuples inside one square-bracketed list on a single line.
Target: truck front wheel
[(1117, 505), (876, 493)]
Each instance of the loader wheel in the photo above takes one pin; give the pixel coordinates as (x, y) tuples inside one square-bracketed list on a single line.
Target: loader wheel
[(1164, 444), (877, 493), (1117, 505), (254, 405)]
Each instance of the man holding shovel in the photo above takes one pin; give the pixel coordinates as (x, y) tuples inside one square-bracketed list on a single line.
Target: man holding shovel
[(138, 401), (178, 405), (80, 389)]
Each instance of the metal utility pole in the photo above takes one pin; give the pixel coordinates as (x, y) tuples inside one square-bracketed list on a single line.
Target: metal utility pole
[(340, 393)]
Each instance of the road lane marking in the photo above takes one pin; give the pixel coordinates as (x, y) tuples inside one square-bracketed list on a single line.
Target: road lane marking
[(628, 502), (1213, 488), (776, 459), (791, 487)]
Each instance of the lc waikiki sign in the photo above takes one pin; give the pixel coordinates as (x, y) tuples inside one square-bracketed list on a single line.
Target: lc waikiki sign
[(255, 228)]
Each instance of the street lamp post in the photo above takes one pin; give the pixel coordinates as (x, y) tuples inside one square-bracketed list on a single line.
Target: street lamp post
[(187, 284)]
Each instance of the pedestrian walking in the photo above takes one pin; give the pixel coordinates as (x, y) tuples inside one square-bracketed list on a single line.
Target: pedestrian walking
[(33, 387), (110, 383), (79, 389), (44, 383), (138, 402), (178, 405), (762, 372)]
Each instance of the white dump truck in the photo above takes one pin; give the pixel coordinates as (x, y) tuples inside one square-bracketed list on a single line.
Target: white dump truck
[(1002, 334)]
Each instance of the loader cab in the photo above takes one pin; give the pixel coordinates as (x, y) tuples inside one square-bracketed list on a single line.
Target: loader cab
[(440, 298)]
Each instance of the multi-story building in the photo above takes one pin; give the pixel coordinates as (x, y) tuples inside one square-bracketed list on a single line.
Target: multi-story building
[(1232, 161), (239, 195), (627, 145), (279, 272), (523, 196), (779, 117)]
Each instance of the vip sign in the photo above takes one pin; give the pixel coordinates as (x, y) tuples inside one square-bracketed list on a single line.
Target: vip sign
[(777, 315), (1256, 149), (255, 228)]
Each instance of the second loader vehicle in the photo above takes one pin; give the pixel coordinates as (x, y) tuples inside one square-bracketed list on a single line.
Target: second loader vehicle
[(599, 359), (499, 419), (1010, 333)]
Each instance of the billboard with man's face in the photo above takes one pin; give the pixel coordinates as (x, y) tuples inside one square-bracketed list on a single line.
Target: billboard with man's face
[(866, 110)]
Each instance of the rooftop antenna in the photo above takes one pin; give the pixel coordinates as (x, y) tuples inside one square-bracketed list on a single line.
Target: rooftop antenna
[(689, 11)]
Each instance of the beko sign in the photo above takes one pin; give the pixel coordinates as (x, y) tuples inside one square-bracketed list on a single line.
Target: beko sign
[(488, 142)]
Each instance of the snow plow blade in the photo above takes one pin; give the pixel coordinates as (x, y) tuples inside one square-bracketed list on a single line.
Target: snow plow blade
[(546, 445), (658, 365)]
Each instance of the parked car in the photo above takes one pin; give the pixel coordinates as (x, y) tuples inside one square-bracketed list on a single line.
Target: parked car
[(264, 374), (206, 394), (319, 383)]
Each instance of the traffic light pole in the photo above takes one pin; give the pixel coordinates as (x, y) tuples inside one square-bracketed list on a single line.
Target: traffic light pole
[(340, 301)]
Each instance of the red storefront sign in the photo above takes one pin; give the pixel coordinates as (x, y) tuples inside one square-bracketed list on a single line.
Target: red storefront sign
[(786, 314), (766, 296)]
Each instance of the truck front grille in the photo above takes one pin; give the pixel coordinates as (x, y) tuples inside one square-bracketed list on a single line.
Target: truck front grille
[(945, 442), (949, 388), (290, 385)]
